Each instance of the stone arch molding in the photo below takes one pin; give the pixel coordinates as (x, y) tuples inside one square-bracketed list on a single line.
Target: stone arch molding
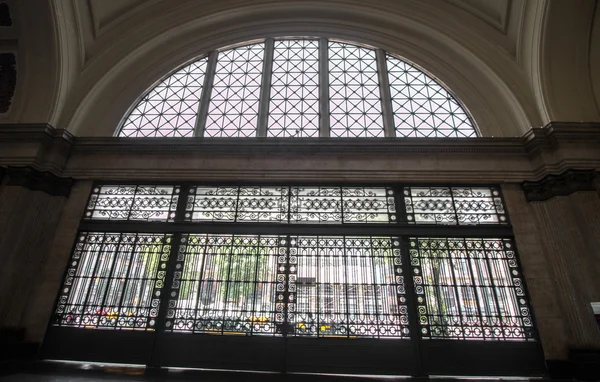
[(131, 57)]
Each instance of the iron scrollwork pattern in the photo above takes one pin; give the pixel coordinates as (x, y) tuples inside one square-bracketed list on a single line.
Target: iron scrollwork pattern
[(114, 281), (349, 287), (454, 205), (316, 205), (469, 289), (228, 284), (237, 204), (130, 202), (329, 263)]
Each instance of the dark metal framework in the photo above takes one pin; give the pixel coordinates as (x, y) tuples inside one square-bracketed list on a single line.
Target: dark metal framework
[(240, 267), (298, 87)]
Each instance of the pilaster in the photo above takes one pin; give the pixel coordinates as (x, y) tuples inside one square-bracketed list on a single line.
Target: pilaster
[(30, 205)]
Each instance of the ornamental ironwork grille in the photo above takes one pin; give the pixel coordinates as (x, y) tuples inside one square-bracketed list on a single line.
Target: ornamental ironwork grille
[(398, 261), (298, 87)]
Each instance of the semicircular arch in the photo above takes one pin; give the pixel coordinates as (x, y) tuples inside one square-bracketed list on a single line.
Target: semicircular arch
[(104, 96)]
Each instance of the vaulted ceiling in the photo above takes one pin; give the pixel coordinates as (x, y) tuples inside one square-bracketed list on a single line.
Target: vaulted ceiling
[(514, 63)]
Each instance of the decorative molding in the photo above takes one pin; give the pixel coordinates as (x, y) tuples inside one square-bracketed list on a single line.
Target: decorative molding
[(287, 146), (5, 19), (8, 80), (550, 150), (35, 180), (566, 183)]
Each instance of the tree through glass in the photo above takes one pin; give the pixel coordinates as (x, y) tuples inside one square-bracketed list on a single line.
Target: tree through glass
[(295, 96)]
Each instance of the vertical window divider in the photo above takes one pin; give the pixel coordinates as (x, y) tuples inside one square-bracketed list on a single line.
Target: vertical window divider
[(454, 209), (265, 89), (209, 76), (386, 98), (400, 204), (345, 285), (286, 322), (411, 305), (168, 282), (324, 129)]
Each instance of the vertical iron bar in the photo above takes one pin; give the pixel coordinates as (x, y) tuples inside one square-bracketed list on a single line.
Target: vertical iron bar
[(201, 276), (489, 266), (324, 88), (458, 299), (476, 295), (386, 98), (112, 268), (228, 278), (374, 283), (127, 275), (211, 67), (345, 284), (255, 282), (87, 296), (265, 89), (413, 323)]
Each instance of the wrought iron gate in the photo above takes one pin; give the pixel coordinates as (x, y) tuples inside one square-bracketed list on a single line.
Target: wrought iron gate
[(366, 279)]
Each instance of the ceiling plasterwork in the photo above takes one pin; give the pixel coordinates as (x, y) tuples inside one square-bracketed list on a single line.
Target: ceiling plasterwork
[(494, 12), (492, 19)]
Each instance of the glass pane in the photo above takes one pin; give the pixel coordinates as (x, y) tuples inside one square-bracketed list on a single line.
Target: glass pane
[(171, 108), (355, 102), (294, 106), (114, 281), (422, 107), (131, 202), (292, 204), (233, 110), (228, 285), (469, 289), (238, 204), (349, 287), (454, 205)]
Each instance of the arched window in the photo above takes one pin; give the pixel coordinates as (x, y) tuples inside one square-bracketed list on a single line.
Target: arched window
[(298, 88)]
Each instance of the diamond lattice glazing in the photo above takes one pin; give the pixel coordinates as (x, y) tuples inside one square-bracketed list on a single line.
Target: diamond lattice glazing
[(233, 110), (355, 106), (294, 105), (171, 108), (422, 107)]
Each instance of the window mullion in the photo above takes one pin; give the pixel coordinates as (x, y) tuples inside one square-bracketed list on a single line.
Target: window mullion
[(161, 319), (209, 76), (386, 99), (324, 130), (411, 305), (400, 202), (265, 90)]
